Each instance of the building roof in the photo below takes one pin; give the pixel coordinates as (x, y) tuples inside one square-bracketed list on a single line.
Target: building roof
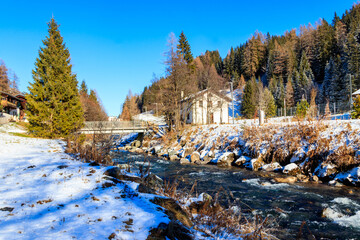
[(8, 94), (357, 92), (198, 94)]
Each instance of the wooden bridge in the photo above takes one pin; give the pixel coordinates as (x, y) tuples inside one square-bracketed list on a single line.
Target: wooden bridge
[(118, 127)]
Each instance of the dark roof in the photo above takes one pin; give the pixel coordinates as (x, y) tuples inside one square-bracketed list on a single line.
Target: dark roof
[(8, 94), (198, 94)]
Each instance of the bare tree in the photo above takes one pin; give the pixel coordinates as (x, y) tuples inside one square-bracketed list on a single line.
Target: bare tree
[(178, 83)]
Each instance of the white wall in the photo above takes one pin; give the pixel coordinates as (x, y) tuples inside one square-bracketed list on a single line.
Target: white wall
[(198, 112)]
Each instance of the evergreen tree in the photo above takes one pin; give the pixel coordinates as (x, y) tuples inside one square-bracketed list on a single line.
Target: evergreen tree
[(306, 76), (93, 95), (248, 105), (356, 108), (54, 108), (83, 88), (184, 49), (270, 109)]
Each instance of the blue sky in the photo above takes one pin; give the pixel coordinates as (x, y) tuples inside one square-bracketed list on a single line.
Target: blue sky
[(118, 45)]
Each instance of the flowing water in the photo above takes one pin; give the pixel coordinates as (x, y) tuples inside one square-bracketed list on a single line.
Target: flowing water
[(329, 212)]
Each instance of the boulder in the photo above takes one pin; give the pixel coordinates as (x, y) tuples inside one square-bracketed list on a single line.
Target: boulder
[(123, 166), (172, 153), (157, 148), (139, 151), (226, 159), (242, 160), (291, 179), (187, 152), (314, 178), (195, 157), (184, 161), (118, 173), (173, 210), (302, 178), (325, 170), (172, 230), (292, 169), (271, 167), (150, 184), (136, 144), (174, 158), (255, 164)]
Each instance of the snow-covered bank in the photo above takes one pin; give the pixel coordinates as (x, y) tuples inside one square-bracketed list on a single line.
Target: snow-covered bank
[(325, 150), (46, 194)]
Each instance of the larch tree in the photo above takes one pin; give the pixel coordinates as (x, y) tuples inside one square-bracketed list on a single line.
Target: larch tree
[(4, 79), (54, 108), (289, 93)]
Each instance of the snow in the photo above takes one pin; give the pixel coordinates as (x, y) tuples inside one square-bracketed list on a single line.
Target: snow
[(150, 117), (290, 167), (54, 196)]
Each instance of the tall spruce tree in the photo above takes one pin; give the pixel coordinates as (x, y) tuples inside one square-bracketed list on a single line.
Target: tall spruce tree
[(248, 104), (184, 49), (54, 108)]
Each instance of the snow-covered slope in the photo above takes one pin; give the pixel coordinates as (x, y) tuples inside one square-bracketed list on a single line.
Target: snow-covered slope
[(46, 194)]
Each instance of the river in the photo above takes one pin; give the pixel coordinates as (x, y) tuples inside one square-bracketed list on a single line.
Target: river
[(288, 204)]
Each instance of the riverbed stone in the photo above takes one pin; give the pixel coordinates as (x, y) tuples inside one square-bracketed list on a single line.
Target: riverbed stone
[(255, 164), (184, 161), (118, 173), (226, 159), (187, 152), (291, 179), (302, 178), (195, 156), (172, 152), (271, 167), (172, 230), (314, 178), (136, 144), (292, 169), (242, 160), (150, 184), (173, 210), (174, 158), (139, 151)]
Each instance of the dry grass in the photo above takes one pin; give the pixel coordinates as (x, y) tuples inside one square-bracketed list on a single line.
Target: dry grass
[(91, 148)]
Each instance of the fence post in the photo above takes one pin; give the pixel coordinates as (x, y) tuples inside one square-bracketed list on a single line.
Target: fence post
[(334, 108)]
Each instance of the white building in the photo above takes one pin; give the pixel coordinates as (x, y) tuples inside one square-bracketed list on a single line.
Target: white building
[(356, 93), (205, 107)]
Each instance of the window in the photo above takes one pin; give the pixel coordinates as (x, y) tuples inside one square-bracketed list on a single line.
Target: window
[(200, 103), (219, 104)]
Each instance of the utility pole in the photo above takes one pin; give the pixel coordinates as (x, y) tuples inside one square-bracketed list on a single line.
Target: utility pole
[(351, 100), (232, 99)]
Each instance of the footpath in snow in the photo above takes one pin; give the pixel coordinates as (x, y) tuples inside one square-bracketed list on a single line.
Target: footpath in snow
[(46, 194)]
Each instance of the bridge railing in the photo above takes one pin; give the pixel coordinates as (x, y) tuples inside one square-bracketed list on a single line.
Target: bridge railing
[(108, 125)]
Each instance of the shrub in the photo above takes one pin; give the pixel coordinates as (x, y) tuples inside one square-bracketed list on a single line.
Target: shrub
[(356, 108), (302, 108)]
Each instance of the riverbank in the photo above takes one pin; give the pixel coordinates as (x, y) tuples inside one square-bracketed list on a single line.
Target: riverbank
[(50, 194), (47, 194), (318, 151)]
